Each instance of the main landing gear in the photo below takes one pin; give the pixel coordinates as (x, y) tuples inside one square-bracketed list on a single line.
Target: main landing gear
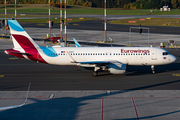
[(95, 71), (152, 68)]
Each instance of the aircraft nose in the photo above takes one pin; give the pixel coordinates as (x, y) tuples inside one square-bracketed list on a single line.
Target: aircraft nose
[(173, 58)]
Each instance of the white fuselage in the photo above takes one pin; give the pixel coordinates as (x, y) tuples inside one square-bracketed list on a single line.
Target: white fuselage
[(125, 55)]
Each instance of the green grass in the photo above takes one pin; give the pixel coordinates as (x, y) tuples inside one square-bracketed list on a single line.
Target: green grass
[(149, 22), (72, 9), (22, 16), (55, 20), (172, 12)]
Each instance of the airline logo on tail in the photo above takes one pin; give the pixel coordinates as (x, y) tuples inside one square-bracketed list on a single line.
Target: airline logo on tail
[(24, 46)]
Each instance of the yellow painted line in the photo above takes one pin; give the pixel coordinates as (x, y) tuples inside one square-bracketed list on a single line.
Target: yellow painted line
[(1, 76), (75, 24), (13, 58), (176, 75), (81, 18)]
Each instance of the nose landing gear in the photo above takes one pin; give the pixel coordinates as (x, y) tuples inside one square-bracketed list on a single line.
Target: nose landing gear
[(152, 68)]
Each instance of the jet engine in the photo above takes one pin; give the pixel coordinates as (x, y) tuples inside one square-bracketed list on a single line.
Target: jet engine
[(117, 68)]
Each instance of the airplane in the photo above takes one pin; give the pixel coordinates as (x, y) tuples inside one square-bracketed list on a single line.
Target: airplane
[(113, 59)]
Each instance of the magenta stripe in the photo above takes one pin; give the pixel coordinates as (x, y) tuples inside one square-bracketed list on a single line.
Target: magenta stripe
[(23, 41), (28, 47)]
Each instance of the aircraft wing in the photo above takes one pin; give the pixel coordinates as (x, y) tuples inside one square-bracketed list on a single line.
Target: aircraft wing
[(123, 61), (98, 62)]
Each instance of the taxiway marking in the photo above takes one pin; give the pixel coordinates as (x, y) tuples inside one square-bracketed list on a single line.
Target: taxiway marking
[(13, 58), (1, 76), (176, 75)]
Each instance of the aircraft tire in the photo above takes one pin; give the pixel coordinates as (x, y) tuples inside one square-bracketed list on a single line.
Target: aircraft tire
[(95, 73)]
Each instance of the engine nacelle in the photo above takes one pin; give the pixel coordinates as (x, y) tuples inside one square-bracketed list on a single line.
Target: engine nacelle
[(117, 68)]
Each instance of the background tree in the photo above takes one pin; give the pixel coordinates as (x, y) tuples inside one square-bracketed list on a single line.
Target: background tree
[(179, 4), (118, 3), (174, 3)]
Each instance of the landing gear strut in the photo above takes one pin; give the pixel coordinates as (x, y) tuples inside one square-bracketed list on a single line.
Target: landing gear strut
[(95, 72), (152, 68)]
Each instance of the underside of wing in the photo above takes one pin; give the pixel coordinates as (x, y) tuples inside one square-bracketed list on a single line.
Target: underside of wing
[(114, 67)]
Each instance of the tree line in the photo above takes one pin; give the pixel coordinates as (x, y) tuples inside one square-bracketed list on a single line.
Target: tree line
[(125, 4)]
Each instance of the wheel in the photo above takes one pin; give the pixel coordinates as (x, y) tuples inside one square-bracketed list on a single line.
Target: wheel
[(95, 73), (152, 68)]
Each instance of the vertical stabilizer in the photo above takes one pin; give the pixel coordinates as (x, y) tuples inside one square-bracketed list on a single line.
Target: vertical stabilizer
[(20, 37), (24, 45)]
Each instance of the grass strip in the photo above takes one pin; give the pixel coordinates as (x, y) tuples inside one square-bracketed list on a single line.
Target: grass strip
[(74, 9), (55, 20), (149, 22)]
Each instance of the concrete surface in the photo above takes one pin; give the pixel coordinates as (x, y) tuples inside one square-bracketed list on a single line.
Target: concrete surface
[(92, 105), (92, 36)]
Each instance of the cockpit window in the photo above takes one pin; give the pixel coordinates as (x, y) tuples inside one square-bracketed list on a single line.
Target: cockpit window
[(165, 53)]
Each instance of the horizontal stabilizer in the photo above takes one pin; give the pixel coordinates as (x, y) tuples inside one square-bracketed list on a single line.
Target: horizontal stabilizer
[(21, 53)]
